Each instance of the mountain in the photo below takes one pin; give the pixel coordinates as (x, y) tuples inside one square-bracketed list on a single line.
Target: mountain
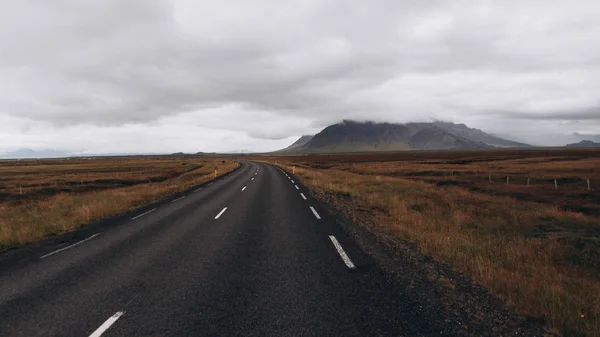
[(29, 153), (301, 141), (477, 135), (584, 143), (351, 136)]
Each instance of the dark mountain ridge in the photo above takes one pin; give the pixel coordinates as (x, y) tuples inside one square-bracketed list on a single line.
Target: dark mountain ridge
[(584, 143), (352, 136)]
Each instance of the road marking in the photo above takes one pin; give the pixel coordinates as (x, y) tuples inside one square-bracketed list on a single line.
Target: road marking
[(341, 251), (102, 329), (315, 213), (69, 247), (178, 199), (210, 184), (303, 197), (243, 188), (198, 189), (221, 213), (141, 215), (293, 182), (252, 178), (297, 187)]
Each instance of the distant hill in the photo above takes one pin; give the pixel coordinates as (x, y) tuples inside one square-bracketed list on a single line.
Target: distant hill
[(351, 136), (26, 153), (584, 143)]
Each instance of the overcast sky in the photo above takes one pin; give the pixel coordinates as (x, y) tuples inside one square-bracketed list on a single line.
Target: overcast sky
[(99, 76)]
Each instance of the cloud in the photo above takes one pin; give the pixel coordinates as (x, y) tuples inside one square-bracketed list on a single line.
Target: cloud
[(124, 66)]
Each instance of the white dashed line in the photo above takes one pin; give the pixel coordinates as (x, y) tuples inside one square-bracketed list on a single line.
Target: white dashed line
[(198, 189), (303, 197), (210, 184), (341, 251), (297, 187), (68, 247), (243, 188), (102, 329), (315, 213), (221, 213), (252, 178), (293, 182), (176, 200), (141, 215)]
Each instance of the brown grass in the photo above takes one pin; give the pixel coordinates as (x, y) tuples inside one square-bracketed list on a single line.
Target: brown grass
[(542, 259), (61, 195)]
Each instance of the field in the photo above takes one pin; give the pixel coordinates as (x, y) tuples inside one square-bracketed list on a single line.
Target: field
[(534, 244), (43, 197)]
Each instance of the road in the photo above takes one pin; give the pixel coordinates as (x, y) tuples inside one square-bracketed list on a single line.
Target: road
[(252, 254)]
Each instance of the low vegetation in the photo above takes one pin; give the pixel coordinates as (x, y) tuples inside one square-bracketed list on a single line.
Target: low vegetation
[(524, 244), (40, 198)]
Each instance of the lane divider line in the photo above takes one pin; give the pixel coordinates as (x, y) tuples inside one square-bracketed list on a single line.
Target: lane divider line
[(252, 178), (303, 197), (342, 253), (243, 188), (141, 215), (221, 213), (209, 184), (69, 247), (297, 187), (315, 213), (102, 329), (293, 182), (198, 189), (176, 200)]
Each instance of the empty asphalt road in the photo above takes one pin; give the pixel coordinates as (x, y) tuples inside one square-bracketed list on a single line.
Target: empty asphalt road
[(252, 254)]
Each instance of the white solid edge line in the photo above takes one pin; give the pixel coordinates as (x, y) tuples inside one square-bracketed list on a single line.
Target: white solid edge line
[(221, 213), (102, 329), (178, 199), (243, 188), (341, 251), (198, 189), (68, 247), (297, 187), (315, 213), (303, 197), (141, 215)]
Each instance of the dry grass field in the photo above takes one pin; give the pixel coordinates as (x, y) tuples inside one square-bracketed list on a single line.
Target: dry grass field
[(536, 246), (43, 197)]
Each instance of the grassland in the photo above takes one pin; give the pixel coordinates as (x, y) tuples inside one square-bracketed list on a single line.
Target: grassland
[(535, 246), (44, 197)]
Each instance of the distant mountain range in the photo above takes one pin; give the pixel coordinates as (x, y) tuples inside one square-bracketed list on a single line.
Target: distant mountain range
[(584, 143), (26, 153), (351, 136)]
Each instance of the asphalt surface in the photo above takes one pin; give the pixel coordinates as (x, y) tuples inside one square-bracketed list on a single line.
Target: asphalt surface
[(252, 254)]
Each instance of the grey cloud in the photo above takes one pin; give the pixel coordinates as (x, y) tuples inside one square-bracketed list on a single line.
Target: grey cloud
[(576, 115), (115, 63)]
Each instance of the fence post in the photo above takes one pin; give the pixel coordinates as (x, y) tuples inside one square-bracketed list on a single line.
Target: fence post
[(527, 181), (490, 177), (588, 183), (507, 179), (555, 184)]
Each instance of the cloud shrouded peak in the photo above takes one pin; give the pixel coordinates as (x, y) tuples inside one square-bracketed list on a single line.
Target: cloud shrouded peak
[(270, 70)]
